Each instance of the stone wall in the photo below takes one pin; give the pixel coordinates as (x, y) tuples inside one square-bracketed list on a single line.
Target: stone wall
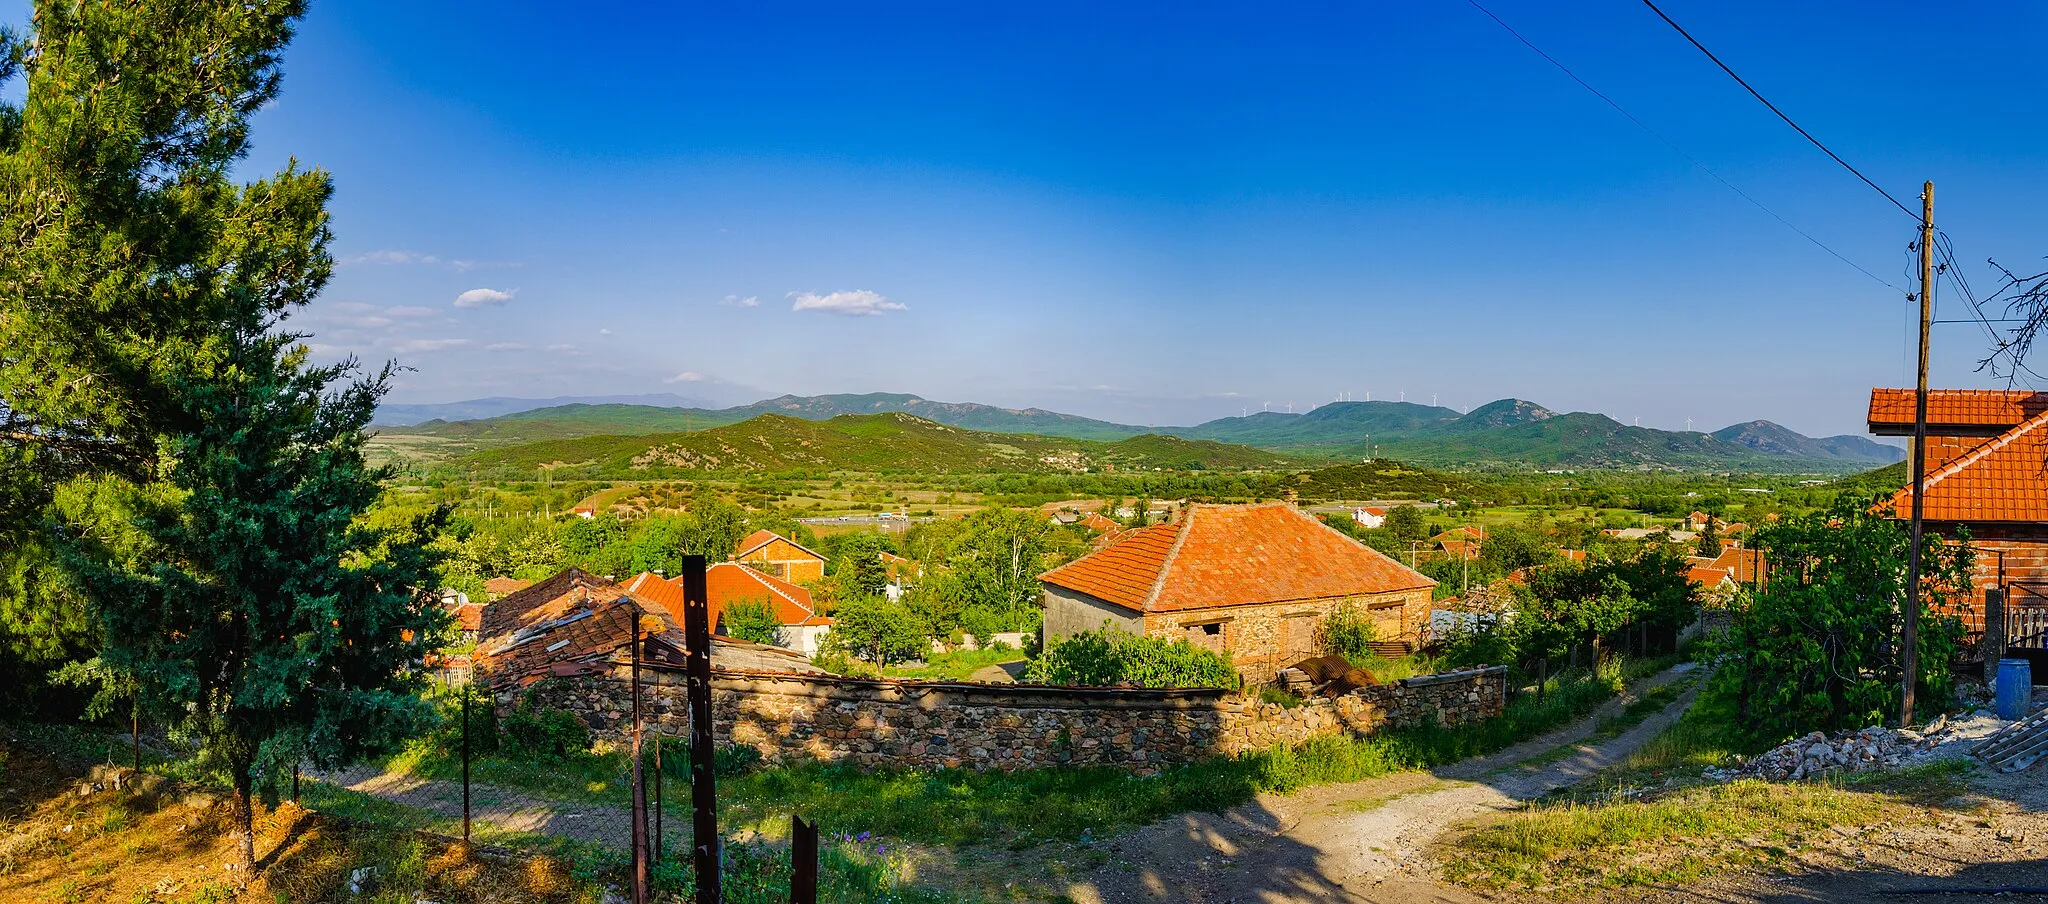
[(789, 717)]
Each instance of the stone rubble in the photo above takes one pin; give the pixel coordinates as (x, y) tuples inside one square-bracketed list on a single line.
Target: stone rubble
[(1818, 754)]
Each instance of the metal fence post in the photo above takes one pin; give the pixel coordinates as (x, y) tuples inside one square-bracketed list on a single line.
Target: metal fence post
[(706, 850), (803, 852)]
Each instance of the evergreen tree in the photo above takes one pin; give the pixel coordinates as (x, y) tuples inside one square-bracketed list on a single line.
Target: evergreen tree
[(210, 481), (1709, 540)]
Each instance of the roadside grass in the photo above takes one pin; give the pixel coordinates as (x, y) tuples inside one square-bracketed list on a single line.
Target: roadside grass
[(852, 870), (958, 665), (1685, 835), (1649, 703)]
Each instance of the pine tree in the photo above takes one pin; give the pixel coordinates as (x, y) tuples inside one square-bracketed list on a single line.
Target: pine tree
[(206, 482), (1709, 539)]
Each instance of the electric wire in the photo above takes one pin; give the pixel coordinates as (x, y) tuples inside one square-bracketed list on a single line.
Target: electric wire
[(1781, 114), (1678, 150)]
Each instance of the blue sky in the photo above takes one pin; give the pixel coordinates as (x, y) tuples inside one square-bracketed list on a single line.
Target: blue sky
[(1156, 214)]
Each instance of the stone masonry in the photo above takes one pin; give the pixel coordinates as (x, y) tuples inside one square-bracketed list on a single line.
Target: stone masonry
[(790, 718)]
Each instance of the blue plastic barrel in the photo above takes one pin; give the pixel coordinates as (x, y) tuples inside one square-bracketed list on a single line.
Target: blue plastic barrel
[(2015, 688)]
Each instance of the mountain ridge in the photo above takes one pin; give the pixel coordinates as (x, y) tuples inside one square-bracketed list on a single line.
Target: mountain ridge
[(1506, 431)]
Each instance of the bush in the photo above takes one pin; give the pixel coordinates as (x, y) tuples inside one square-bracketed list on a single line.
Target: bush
[(876, 629), (545, 733), (1817, 648), (1347, 632), (752, 620), (1108, 657)]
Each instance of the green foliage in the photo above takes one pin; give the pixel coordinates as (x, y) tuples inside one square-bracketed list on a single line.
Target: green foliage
[(550, 735), (1817, 645), (1349, 633), (860, 570), (752, 619), (1109, 657), (876, 629), (1709, 543), (982, 571)]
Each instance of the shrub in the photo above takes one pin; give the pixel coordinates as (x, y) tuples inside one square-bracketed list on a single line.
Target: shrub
[(1349, 633), (1109, 657), (1817, 647), (752, 620), (877, 629), (545, 733)]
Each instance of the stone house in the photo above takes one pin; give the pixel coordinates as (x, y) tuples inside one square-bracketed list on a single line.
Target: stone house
[(1987, 470), (803, 628), (780, 556), (1255, 581)]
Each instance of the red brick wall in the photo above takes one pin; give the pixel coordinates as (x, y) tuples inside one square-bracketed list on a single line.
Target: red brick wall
[(2008, 552)]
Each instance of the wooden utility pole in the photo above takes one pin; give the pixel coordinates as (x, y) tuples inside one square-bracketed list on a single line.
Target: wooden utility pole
[(1910, 631), (706, 855)]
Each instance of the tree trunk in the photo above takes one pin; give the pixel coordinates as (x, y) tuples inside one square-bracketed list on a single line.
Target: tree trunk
[(245, 821)]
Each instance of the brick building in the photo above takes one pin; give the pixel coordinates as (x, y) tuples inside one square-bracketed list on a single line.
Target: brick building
[(780, 556), (1987, 470), (1252, 580)]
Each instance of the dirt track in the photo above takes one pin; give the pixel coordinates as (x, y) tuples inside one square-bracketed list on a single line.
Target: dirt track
[(1354, 842)]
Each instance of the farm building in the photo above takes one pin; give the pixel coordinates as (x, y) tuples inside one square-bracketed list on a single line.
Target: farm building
[(1254, 581)]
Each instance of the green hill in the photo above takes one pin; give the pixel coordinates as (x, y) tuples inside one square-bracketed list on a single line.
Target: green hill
[(893, 442), (1379, 479)]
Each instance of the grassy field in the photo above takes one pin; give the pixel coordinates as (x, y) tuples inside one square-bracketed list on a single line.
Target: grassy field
[(1685, 835)]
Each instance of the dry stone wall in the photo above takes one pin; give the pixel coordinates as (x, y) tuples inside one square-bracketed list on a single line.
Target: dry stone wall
[(788, 717)]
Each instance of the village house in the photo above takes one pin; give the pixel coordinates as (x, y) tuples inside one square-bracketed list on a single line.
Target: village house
[(1099, 524), (576, 623), (1985, 459), (500, 587), (727, 583), (780, 556), (1459, 541), (1254, 581), (1369, 517)]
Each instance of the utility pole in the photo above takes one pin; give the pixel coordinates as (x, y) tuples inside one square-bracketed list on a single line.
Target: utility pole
[(640, 865), (1910, 632)]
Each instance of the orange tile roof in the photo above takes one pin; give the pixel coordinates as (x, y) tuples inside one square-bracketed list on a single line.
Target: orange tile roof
[(1891, 409), (501, 586), (1233, 555), (2005, 479), (763, 537), (1707, 576), (469, 617), (1742, 564), (728, 583), (1096, 522)]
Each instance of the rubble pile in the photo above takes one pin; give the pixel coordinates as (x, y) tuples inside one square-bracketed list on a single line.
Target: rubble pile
[(1819, 754)]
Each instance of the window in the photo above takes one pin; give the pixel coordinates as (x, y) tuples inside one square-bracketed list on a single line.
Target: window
[(1213, 628)]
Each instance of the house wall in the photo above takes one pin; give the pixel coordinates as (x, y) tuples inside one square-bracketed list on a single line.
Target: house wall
[(2006, 552), (805, 639), (1263, 639), (796, 718), (788, 562), (1070, 612)]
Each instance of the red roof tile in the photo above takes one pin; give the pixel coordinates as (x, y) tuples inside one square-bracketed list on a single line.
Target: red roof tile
[(1096, 522), (1708, 577), (729, 583), (1233, 555), (763, 537), (502, 586), (2005, 479), (1893, 409)]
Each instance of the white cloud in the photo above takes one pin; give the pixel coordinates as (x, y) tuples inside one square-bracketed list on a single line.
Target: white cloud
[(604, 331), (688, 376), (389, 256), (353, 307), (476, 298), (409, 311), (856, 303), (562, 348), (505, 347), (429, 345), (734, 301)]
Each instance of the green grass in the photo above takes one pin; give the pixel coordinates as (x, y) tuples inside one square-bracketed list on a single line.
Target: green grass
[(1683, 836), (958, 665), (853, 870)]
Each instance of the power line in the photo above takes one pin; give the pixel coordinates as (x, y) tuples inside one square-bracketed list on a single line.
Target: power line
[(1781, 114), (1676, 149)]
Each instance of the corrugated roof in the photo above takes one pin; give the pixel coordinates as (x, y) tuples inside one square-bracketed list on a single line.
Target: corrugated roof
[(1233, 555)]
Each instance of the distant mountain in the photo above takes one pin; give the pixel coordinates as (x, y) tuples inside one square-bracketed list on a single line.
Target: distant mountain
[(891, 441), (397, 415), (1765, 436), (1507, 432), (1332, 424)]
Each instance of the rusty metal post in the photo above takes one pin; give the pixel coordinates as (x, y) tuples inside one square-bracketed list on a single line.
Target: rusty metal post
[(639, 840), (1993, 643), (803, 852), (706, 852), (657, 790), (465, 764)]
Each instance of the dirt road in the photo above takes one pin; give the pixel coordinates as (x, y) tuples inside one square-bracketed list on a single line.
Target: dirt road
[(1360, 842)]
